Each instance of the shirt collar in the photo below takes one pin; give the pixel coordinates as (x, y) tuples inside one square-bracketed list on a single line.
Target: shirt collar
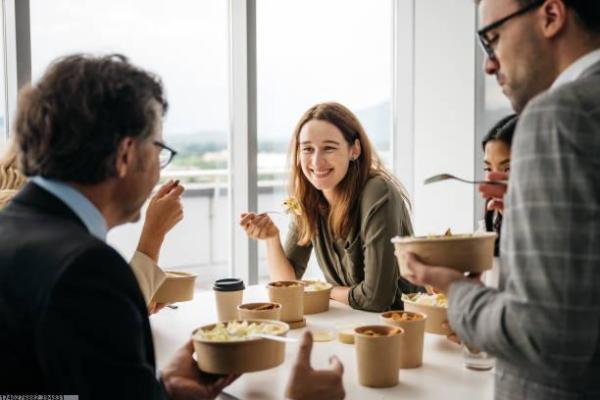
[(574, 71), (86, 211)]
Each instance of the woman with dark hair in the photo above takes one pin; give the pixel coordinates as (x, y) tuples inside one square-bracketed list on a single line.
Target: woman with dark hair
[(349, 207), (496, 147)]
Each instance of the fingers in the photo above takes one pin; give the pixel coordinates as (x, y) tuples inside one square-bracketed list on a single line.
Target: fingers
[(246, 219), (188, 347), (181, 387), (495, 204), (303, 358), (488, 190), (498, 176), (255, 224), (476, 276), (165, 188), (336, 365), (453, 337), (176, 191)]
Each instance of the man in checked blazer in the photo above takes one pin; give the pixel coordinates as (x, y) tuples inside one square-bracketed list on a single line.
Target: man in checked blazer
[(544, 327)]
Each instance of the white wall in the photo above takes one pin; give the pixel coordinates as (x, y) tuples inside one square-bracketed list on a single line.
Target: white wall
[(444, 116)]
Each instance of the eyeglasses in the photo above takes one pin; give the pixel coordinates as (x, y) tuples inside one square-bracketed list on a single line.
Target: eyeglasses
[(166, 153), (487, 43)]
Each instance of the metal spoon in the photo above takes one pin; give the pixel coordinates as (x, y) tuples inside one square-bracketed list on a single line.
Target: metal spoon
[(443, 177)]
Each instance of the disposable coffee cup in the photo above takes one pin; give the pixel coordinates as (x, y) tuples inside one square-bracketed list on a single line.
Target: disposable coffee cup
[(228, 296), (378, 351)]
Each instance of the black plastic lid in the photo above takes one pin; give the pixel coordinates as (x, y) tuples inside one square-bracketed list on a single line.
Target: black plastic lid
[(228, 285)]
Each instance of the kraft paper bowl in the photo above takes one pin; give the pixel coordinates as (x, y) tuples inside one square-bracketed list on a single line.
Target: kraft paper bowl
[(413, 338), (316, 301), (378, 357), (177, 286), (290, 294), (237, 357), (436, 316), (463, 252), (252, 311)]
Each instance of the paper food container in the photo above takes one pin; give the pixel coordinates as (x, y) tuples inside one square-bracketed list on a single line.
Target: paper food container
[(236, 357), (177, 286), (413, 338), (463, 252), (260, 311), (290, 294), (436, 315), (316, 301)]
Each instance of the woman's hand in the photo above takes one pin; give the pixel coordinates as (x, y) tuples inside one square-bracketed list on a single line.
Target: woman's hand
[(494, 193), (258, 226)]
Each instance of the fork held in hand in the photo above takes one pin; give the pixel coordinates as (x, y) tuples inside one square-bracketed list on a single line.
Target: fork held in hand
[(443, 177)]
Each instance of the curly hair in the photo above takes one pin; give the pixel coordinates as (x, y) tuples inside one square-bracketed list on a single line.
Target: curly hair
[(69, 125)]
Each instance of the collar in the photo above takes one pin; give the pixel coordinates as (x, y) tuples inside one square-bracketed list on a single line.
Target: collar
[(78, 203), (574, 71)]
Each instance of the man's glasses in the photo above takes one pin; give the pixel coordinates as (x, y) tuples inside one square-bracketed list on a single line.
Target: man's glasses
[(487, 42), (166, 154)]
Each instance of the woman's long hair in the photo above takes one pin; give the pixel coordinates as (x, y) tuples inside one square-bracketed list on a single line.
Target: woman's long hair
[(312, 201), (10, 177)]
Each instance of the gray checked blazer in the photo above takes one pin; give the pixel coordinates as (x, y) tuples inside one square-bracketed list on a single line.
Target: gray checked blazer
[(544, 327)]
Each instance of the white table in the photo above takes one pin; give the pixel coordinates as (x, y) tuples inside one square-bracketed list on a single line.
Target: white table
[(442, 376)]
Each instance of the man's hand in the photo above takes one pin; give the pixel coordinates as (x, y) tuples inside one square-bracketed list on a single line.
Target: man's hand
[(155, 307), (307, 383), (493, 193), (183, 379), (437, 276), (163, 213)]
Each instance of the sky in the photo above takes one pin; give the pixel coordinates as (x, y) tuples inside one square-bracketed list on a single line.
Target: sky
[(308, 51)]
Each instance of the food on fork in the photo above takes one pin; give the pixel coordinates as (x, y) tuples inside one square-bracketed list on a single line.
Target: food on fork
[(291, 205)]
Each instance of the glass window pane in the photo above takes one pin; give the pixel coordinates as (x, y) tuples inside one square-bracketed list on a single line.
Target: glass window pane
[(3, 127), (185, 42), (343, 53)]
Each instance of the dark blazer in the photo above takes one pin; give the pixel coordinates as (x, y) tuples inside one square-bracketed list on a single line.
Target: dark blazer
[(72, 317)]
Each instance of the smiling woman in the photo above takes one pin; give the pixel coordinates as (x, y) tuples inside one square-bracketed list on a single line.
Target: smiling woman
[(351, 207)]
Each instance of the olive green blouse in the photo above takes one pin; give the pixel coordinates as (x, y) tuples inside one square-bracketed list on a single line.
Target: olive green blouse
[(364, 260)]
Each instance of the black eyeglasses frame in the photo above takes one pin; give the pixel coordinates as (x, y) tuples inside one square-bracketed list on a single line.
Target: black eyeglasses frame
[(482, 33), (172, 152)]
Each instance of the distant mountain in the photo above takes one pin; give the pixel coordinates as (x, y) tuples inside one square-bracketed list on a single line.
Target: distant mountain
[(375, 119)]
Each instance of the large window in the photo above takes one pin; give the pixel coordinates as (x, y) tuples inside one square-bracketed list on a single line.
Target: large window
[(3, 93), (185, 42), (313, 51)]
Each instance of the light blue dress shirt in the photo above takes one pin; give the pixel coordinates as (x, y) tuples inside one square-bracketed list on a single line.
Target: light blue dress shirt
[(78, 203)]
